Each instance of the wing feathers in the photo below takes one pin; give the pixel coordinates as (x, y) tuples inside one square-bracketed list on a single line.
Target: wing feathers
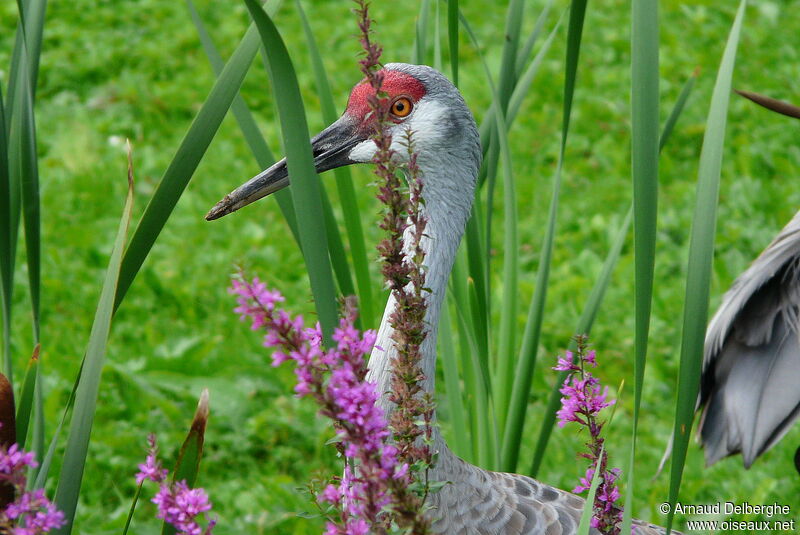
[(751, 367)]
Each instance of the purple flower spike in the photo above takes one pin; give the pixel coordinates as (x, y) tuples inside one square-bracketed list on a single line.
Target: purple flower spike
[(336, 379), (582, 400), (151, 469), (31, 513), (178, 504)]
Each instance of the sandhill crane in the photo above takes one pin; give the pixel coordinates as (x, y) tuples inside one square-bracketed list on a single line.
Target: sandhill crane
[(751, 367), (476, 501)]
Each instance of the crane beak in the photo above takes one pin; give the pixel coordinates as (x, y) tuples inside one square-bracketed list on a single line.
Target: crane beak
[(331, 149)]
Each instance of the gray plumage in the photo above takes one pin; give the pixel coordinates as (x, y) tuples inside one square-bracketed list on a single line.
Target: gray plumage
[(750, 386), (448, 151), (474, 500)]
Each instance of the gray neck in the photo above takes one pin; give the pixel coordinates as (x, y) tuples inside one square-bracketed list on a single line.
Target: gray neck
[(448, 195)]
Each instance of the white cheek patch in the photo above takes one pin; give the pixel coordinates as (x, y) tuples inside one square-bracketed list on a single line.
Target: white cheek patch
[(426, 125), (363, 152)]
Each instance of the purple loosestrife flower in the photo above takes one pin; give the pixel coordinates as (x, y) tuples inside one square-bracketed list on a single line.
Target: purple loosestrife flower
[(31, 513), (178, 504), (583, 399), (151, 469), (335, 378)]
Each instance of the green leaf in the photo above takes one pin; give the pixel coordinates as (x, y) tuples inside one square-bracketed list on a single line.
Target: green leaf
[(644, 169), (186, 159), (452, 38), (188, 464), (508, 61), (7, 223), (344, 185), (421, 40), (24, 171), (584, 326), (588, 507), (701, 253), (26, 396), (677, 109), (458, 419), (18, 176), (598, 291), (510, 265), (304, 181), (69, 482), (252, 135), (523, 375)]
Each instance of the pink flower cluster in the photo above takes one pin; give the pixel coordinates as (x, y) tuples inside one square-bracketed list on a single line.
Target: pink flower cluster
[(178, 504), (31, 513), (335, 379), (582, 400), (583, 397)]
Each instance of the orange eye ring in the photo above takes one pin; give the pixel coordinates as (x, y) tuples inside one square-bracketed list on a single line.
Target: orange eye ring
[(401, 107)]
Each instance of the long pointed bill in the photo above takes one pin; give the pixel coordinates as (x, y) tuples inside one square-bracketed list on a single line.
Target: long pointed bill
[(331, 149)]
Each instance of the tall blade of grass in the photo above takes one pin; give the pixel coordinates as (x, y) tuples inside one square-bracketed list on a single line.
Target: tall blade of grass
[(186, 159), (487, 124), (29, 35), (26, 396), (522, 377), (644, 170), (24, 171), (452, 38), (701, 253), (596, 296), (421, 40), (26, 57), (477, 246), (458, 420), (304, 183), (480, 260), (6, 254), (344, 184), (252, 135), (489, 168), (188, 464), (527, 76), (336, 253), (38, 415), (69, 482), (437, 39), (461, 292), (525, 52), (508, 61), (584, 326), (477, 380), (585, 524), (43, 471), (510, 265), (677, 109), (265, 158)]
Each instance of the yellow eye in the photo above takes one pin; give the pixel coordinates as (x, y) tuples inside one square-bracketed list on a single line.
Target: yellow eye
[(401, 107)]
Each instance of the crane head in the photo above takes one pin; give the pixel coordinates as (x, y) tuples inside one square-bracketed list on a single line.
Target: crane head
[(418, 97)]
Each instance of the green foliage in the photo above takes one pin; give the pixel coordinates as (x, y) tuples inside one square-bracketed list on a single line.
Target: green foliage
[(116, 70)]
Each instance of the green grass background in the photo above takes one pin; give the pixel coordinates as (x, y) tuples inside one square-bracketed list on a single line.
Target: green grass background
[(117, 69)]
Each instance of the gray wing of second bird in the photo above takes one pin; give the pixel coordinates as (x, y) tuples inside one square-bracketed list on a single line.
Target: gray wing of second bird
[(751, 368)]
